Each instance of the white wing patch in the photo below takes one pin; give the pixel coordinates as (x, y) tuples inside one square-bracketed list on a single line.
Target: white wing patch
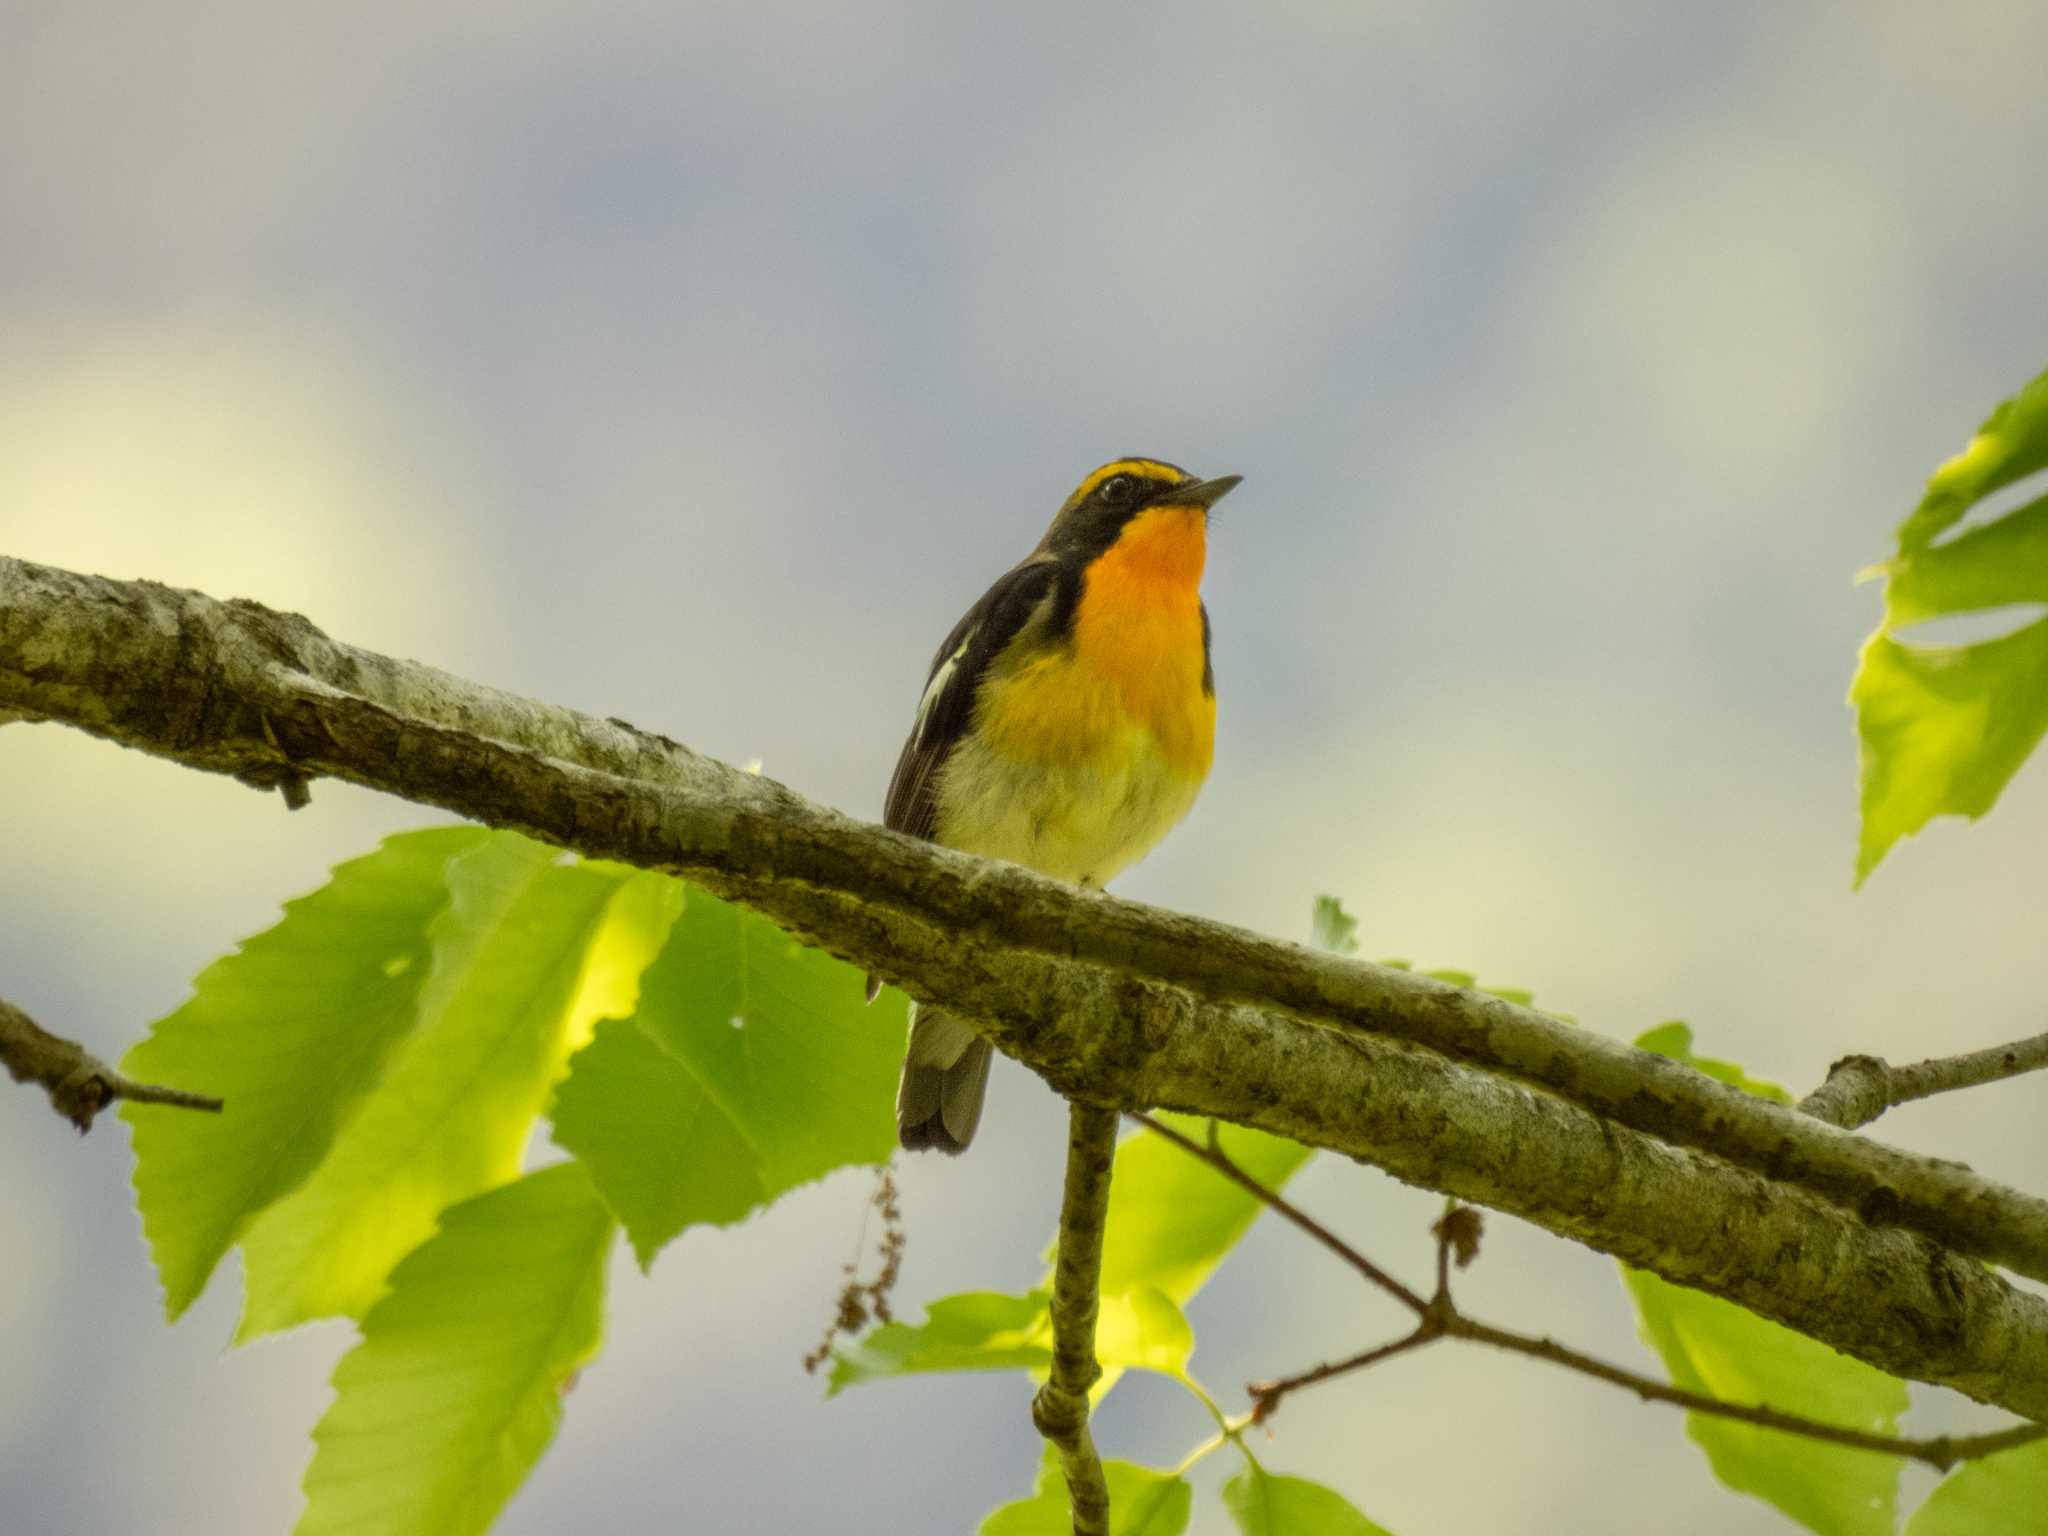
[(934, 690)]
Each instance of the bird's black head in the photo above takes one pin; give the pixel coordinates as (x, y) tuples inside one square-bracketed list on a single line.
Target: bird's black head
[(1117, 492)]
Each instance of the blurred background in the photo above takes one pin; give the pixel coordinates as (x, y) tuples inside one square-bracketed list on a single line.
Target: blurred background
[(699, 363)]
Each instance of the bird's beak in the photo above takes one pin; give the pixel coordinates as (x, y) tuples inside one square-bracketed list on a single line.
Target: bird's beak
[(1199, 493)]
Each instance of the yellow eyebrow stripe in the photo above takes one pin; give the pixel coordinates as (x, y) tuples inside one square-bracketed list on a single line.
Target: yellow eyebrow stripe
[(1142, 469)]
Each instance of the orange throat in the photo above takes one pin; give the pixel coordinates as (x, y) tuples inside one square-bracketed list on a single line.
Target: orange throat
[(1139, 628)]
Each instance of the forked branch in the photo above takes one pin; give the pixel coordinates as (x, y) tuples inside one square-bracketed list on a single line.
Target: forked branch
[(1457, 1240), (1860, 1088)]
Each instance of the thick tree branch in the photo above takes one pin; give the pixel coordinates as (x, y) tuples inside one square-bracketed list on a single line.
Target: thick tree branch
[(1112, 1002), (238, 688), (1860, 1088), (1060, 1410), (79, 1084)]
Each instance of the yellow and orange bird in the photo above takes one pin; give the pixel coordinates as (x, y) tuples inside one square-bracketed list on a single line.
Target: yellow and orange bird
[(1066, 725)]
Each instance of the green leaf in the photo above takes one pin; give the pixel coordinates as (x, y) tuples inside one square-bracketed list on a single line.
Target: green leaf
[(989, 1331), (1172, 1218), (1143, 1328), (1943, 728), (751, 1066), (2002, 1495), (1333, 928), (2012, 444), (971, 1331), (1265, 1505), (1715, 1347), (508, 998), (293, 1029), (1675, 1040), (457, 1386), (1142, 1502)]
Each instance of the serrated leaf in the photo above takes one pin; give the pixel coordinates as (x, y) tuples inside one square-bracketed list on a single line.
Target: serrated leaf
[(1675, 1040), (2010, 445), (1142, 1502), (1172, 1218), (1142, 1328), (1265, 1505), (751, 1065), (1942, 729), (457, 1386), (453, 1113), (1715, 1347), (2002, 1495), (971, 1331), (293, 1029)]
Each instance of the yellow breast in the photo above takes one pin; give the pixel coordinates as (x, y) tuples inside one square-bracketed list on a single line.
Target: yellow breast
[(1136, 660), (1084, 756)]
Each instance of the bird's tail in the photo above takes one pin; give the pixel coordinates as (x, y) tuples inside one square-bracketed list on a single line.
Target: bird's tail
[(945, 1078)]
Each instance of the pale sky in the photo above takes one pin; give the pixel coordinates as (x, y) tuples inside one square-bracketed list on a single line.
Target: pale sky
[(700, 364)]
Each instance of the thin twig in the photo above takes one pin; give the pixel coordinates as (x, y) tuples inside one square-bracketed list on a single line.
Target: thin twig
[(1266, 1395), (1060, 1410), (1939, 1451), (1860, 1088), (1216, 1158), (1441, 1319), (79, 1084)]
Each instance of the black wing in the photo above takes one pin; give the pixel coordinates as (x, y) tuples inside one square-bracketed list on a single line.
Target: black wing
[(946, 709)]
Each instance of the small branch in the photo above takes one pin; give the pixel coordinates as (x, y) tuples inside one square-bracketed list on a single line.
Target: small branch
[(1940, 1451), (1218, 1159), (1060, 1410), (79, 1084), (1860, 1088), (1457, 1239), (1266, 1395)]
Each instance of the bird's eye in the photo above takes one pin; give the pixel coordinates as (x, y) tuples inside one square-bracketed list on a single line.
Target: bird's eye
[(1116, 490)]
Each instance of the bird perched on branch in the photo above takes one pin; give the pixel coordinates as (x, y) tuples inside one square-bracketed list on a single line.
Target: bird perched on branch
[(1067, 724)]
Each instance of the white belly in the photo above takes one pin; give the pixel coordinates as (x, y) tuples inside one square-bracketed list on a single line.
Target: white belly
[(1080, 821)]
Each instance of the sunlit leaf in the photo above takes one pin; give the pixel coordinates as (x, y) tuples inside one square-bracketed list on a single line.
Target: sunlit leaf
[(457, 1386), (1265, 1505), (504, 1004), (1172, 1217), (751, 1066), (1675, 1040), (1142, 1502), (1143, 1328), (1715, 1347), (292, 1029), (2002, 1495), (1943, 728), (2010, 445), (972, 1331)]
